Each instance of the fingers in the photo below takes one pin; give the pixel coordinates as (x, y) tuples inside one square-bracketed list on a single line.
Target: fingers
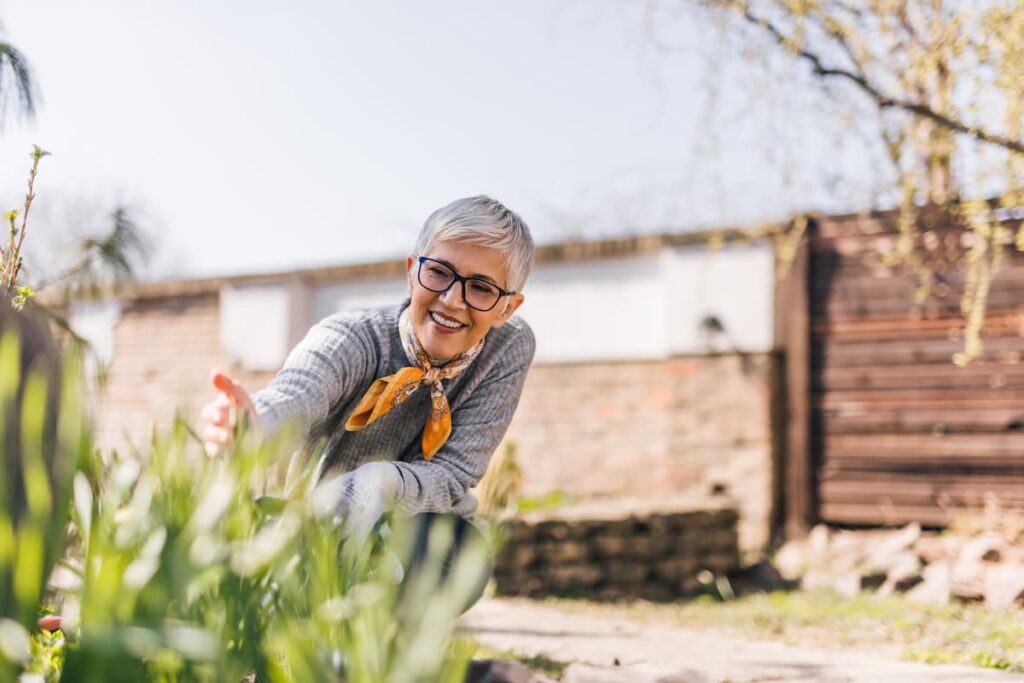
[(215, 438), (217, 412), (220, 416), (217, 435), (215, 425), (216, 421), (222, 383), (229, 387), (242, 399)]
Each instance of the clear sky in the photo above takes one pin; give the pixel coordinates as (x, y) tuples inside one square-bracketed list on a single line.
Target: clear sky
[(272, 135)]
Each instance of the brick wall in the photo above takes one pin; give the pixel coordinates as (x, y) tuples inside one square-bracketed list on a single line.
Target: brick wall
[(164, 350), (682, 427)]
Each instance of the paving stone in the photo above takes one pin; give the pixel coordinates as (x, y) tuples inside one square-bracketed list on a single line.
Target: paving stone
[(586, 673), (659, 653)]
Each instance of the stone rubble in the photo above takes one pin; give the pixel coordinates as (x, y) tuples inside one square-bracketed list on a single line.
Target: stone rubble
[(987, 567)]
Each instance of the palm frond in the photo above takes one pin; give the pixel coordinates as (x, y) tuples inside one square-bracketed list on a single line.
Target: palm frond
[(110, 258), (17, 86), (121, 251)]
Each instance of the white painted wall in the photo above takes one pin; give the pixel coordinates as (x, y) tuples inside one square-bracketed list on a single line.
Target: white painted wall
[(363, 294), (652, 306), (255, 324), (735, 284), (94, 321), (599, 310), (639, 307)]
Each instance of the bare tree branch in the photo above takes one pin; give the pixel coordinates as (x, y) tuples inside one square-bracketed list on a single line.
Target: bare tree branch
[(882, 100)]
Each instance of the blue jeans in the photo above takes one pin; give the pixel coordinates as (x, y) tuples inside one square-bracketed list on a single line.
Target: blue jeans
[(464, 535)]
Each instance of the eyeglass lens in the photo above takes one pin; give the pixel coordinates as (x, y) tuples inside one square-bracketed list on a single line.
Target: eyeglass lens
[(479, 294)]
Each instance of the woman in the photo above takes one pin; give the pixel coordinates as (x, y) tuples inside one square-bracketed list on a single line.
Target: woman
[(412, 399)]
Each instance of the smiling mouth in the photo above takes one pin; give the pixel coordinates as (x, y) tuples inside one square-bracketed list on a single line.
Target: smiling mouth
[(446, 322)]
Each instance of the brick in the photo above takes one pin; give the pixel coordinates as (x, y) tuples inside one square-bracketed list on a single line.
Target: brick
[(562, 552), (517, 557), (720, 562), (574, 577), (610, 546), (689, 585), (675, 569), (626, 573), (646, 547), (517, 531), (714, 540), (656, 593), (554, 530)]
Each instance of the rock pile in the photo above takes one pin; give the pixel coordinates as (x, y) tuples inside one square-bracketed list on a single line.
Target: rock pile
[(935, 568)]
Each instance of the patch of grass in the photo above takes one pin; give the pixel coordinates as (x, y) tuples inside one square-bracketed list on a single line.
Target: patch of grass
[(547, 502), (979, 658), (891, 626)]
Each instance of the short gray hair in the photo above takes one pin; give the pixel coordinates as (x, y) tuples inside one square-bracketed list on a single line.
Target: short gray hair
[(486, 222)]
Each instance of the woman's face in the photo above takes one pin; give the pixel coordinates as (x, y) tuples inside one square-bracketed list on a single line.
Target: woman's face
[(462, 326)]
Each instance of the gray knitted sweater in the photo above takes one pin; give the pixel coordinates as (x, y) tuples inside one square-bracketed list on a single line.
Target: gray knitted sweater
[(326, 375)]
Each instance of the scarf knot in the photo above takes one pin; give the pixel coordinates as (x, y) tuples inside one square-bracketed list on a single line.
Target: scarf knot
[(393, 390)]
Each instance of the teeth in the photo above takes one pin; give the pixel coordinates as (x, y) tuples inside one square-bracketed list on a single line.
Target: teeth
[(445, 322)]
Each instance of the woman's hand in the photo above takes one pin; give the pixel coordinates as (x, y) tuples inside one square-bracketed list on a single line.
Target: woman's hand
[(218, 419)]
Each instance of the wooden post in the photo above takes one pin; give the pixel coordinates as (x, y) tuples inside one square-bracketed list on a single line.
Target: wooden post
[(793, 336), (777, 428)]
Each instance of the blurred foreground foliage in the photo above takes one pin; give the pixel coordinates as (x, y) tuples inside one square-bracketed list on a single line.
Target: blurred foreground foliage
[(175, 568)]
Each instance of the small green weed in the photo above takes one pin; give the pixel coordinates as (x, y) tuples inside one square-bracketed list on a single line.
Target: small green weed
[(540, 663), (548, 501)]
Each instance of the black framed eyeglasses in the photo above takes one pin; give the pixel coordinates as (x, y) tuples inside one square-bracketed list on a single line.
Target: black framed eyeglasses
[(438, 276)]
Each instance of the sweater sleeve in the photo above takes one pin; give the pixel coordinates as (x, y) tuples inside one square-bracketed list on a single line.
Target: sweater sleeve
[(478, 425), (327, 365)]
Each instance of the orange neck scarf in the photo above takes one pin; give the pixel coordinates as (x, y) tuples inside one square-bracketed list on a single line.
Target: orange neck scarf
[(393, 390)]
